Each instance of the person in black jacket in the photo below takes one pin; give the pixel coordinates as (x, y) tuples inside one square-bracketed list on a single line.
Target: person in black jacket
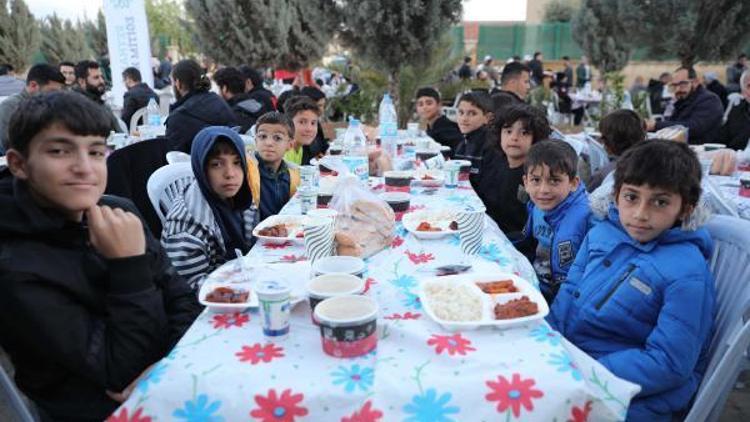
[(696, 108), (320, 144), (711, 82), (735, 132), (474, 113), (89, 299), (537, 68), (90, 83), (514, 87), (255, 90), (137, 96), (304, 114), (195, 108), (439, 127), (231, 84)]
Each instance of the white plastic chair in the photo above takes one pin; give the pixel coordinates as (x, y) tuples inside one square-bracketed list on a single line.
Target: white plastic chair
[(166, 185), (174, 157), (16, 406), (733, 100), (732, 329), (139, 115), (597, 154)]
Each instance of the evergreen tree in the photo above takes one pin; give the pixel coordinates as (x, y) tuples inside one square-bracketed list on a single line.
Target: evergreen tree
[(96, 34), (598, 29), (558, 11), (61, 40), (692, 30), (168, 21), (19, 34), (285, 33), (391, 34)]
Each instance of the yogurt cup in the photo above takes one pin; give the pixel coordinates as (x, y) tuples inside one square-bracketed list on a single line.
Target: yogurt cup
[(399, 202), (326, 286), (273, 300), (398, 181), (348, 325)]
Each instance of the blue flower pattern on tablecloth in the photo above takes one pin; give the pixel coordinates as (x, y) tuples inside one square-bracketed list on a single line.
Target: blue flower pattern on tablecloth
[(411, 300), (356, 377), (153, 377), (565, 364), (404, 282), (492, 252), (543, 333), (429, 407), (199, 410)]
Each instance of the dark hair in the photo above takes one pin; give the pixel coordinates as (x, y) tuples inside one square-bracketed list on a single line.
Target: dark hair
[(690, 71), (285, 97), (478, 99), (502, 100), (560, 157), (537, 54), (72, 110), (191, 75), (231, 78), (276, 118), (428, 91), (66, 63), (9, 67), (254, 75), (565, 58), (222, 145), (664, 75), (532, 118), (4, 70), (312, 92), (621, 129), (660, 163), (742, 56), (513, 70), (133, 74), (298, 104), (467, 59), (43, 74), (82, 68)]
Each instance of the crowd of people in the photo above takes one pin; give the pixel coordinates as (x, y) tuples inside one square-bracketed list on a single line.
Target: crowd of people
[(622, 264)]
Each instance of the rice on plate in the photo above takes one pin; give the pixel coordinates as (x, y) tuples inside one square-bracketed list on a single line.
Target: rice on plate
[(459, 302)]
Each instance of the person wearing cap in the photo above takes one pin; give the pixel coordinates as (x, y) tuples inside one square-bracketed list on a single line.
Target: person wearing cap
[(711, 82), (439, 127)]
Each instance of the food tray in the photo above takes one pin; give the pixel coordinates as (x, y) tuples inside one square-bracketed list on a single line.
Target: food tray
[(294, 225), (488, 301), (440, 219)]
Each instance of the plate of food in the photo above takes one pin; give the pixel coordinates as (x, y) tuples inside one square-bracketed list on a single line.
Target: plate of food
[(427, 224), (429, 178), (278, 229), (232, 276), (227, 297), (471, 301)]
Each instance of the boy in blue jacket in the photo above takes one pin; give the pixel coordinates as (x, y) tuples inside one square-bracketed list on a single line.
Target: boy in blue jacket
[(558, 212), (639, 297)]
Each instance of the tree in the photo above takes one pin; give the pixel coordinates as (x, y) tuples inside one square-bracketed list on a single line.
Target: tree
[(96, 34), (61, 41), (597, 28), (692, 30), (391, 34), (168, 21), (558, 11), (285, 33), (19, 34)]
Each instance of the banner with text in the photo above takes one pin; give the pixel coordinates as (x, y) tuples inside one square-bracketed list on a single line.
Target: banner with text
[(128, 42)]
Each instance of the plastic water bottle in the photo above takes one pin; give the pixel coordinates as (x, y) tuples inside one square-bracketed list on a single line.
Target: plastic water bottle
[(355, 151), (153, 117), (388, 129)]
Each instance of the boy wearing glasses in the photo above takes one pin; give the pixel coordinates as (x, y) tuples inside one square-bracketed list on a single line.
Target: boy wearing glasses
[(696, 108), (273, 181)]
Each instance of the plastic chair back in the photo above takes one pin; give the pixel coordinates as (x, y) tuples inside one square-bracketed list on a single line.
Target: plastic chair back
[(138, 116), (167, 184), (732, 329), (733, 100), (16, 406)]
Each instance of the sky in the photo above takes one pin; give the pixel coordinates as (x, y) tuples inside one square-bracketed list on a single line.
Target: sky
[(474, 10)]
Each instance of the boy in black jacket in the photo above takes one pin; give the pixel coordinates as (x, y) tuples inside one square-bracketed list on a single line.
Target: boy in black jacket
[(439, 127), (474, 113), (89, 298)]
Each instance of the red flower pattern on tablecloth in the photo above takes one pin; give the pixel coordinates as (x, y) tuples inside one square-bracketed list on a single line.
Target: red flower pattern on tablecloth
[(278, 246), (580, 414), (124, 417), (416, 208), (369, 283), (407, 315), (455, 344), (421, 258), (273, 408), (397, 241), (236, 319), (465, 187), (260, 353), (514, 394), (365, 414), (293, 258)]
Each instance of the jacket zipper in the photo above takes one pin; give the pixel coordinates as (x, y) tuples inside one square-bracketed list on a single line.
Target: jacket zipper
[(612, 291)]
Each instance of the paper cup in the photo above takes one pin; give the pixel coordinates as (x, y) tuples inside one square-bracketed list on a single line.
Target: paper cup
[(273, 300), (348, 325), (339, 264), (745, 186), (318, 238), (397, 181), (399, 202), (326, 286), (470, 231), (464, 169)]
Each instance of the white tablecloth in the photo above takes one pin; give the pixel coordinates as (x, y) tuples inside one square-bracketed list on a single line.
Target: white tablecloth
[(223, 370)]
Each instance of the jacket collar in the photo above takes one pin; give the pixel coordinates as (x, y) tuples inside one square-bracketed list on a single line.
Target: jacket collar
[(558, 213)]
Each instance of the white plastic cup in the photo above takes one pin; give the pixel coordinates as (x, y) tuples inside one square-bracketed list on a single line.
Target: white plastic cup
[(470, 231), (273, 299)]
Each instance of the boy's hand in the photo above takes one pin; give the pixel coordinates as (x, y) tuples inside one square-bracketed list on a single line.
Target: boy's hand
[(115, 233), (125, 394)]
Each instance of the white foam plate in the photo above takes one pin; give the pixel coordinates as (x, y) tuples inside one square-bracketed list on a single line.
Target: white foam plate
[(440, 219), (209, 285), (294, 225), (488, 301), (437, 178)]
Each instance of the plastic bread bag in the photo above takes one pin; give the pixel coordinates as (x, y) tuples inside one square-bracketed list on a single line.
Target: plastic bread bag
[(365, 223)]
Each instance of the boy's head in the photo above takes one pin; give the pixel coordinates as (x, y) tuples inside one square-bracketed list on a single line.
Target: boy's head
[(56, 145), (274, 133), (316, 95), (519, 127), (43, 78), (428, 103), (474, 111), (657, 184), (224, 168), (550, 173), (131, 77), (230, 81), (304, 114), (621, 129)]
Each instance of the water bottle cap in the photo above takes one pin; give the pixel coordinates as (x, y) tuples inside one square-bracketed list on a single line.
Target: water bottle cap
[(354, 122)]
